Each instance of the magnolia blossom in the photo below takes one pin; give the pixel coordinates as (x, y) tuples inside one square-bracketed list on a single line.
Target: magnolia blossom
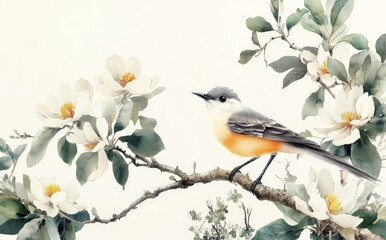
[(68, 107), (93, 142), (349, 113), (330, 200), (120, 78), (317, 64), (50, 196)]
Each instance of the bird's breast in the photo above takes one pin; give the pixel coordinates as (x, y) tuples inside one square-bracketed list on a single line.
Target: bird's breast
[(243, 145)]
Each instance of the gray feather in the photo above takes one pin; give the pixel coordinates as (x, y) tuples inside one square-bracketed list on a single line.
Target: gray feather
[(222, 91), (252, 123)]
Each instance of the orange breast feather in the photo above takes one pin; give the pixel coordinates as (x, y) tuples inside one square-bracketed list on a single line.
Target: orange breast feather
[(249, 146)]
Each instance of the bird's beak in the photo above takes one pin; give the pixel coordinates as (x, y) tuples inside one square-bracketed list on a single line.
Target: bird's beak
[(203, 96)]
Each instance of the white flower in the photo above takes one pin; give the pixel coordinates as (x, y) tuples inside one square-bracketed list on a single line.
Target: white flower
[(50, 196), (120, 78), (330, 200), (93, 142), (349, 113), (68, 107), (317, 66)]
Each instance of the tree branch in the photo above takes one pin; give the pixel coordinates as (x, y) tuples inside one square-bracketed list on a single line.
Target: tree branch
[(261, 192)]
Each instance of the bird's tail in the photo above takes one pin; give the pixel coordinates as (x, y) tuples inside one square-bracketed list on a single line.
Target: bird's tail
[(331, 158)]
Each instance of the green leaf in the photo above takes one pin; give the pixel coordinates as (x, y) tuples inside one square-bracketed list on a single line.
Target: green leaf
[(109, 111), (255, 39), (317, 11), (377, 124), (120, 168), (314, 236), (66, 150), (147, 122), (294, 75), (336, 68), (291, 213), (365, 156), (258, 24), (246, 55), (80, 217), (13, 226), (309, 24), (280, 230), (313, 103), (340, 12), (124, 116), (285, 63), (29, 229), (297, 190), (339, 151), (89, 119), (379, 228), (67, 230), (5, 162), (368, 215), (379, 84), (313, 50), (356, 62), (3, 146), (39, 145), (275, 8), (358, 41), (380, 47), (295, 18), (86, 164), (155, 92), (140, 103), (18, 151), (306, 133), (12, 208), (144, 142)]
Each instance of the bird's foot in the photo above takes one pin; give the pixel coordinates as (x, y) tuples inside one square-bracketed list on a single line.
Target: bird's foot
[(233, 173), (255, 183)]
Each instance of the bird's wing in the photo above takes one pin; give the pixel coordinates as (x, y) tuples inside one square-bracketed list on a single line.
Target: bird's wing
[(252, 123)]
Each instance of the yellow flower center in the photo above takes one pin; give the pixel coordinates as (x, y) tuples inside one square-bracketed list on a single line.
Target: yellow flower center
[(348, 117), (127, 77), (324, 69), (67, 110), (51, 189), (90, 146), (333, 204)]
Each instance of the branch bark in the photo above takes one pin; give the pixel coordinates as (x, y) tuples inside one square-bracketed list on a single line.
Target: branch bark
[(261, 192)]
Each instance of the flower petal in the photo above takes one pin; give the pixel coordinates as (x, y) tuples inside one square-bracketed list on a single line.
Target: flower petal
[(116, 66), (36, 191), (307, 56), (351, 138), (102, 166), (134, 66), (52, 211), (345, 220), (58, 197), (65, 93), (325, 182), (325, 116), (141, 86)]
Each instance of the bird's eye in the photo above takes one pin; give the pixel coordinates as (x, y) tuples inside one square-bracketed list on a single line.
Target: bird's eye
[(222, 98)]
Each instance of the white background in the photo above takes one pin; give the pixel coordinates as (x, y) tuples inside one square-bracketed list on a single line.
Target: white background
[(191, 46)]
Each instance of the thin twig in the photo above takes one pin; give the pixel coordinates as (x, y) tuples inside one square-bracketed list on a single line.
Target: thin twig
[(325, 86), (18, 135)]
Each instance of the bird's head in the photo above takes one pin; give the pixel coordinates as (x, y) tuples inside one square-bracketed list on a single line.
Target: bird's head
[(221, 100)]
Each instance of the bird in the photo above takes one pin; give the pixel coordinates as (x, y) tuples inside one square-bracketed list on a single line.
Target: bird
[(248, 133)]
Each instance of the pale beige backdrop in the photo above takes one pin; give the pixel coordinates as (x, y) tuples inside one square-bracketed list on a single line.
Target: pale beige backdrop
[(191, 46)]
